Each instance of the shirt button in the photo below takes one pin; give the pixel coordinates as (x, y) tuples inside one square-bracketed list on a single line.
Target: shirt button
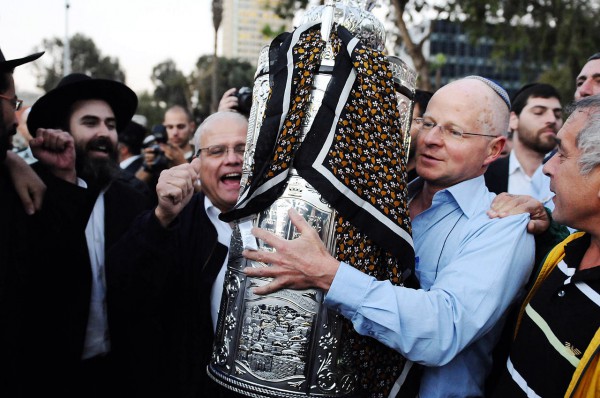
[(561, 293)]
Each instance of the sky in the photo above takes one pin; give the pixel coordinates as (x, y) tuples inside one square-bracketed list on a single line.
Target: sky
[(140, 33)]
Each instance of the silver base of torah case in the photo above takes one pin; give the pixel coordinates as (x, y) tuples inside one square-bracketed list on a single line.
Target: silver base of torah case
[(285, 344)]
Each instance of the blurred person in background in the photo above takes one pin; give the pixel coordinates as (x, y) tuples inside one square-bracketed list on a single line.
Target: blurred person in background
[(588, 80)]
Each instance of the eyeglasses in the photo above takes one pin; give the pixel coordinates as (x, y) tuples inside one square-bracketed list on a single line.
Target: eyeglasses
[(15, 102), (453, 132), (218, 151)]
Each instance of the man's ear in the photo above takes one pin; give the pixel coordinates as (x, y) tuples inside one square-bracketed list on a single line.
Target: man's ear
[(513, 123), (494, 149)]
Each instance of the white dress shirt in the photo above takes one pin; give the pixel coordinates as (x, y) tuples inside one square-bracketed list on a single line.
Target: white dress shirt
[(224, 236)]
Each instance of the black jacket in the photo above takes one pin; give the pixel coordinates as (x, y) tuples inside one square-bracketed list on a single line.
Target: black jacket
[(496, 176), (50, 278), (164, 283)]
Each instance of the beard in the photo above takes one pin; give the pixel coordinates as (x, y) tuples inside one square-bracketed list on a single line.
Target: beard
[(99, 172), (539, 144)]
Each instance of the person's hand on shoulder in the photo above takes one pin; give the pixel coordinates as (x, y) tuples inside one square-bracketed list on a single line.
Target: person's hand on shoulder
[(506, 204), (29, 186)]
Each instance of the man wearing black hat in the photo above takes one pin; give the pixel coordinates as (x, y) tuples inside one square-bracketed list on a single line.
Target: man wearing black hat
[(31, 195), (69, 347), (13, 221), (131, 140), (25, 239)]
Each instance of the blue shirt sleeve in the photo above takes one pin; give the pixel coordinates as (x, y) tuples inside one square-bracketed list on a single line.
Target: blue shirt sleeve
[(469, 294)]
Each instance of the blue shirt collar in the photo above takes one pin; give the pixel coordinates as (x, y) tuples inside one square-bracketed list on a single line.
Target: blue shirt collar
[(469, 194)]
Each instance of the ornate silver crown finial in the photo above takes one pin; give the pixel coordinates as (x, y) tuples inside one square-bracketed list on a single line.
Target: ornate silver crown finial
[(356, 16)]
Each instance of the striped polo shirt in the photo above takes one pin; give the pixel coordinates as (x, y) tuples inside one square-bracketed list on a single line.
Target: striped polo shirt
[(557, 326)]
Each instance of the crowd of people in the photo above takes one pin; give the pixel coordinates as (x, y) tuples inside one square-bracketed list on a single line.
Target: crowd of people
[(113, 253)]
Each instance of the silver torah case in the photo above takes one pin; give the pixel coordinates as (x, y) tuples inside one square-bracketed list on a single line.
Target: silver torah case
[(288, 344)]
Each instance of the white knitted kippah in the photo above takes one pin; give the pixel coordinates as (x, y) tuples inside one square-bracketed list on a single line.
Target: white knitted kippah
[(494, 86)]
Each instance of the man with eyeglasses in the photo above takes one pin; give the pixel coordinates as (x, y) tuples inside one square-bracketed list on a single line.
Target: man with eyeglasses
[(422, 98), (470, 267), (178, 255), (27, 185)]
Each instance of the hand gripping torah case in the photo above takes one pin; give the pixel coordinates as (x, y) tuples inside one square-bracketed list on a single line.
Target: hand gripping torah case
[(328, 136)]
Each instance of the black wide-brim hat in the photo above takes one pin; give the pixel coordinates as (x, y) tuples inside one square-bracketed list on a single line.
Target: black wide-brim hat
[(8, 65), (52, 109)]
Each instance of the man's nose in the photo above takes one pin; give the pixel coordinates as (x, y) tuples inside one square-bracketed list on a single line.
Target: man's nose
[(232, 157), (585, 90)]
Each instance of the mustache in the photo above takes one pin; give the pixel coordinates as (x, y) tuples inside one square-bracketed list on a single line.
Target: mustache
[(100, 144)]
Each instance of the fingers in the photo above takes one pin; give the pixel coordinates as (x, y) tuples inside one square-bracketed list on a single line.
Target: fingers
[(229, 101), (229, 92), (27, 200), (54, 139), (261, 256), (506, 204), (37, 196), (176, 183), (299, 222), (266, 236), (278, 282)]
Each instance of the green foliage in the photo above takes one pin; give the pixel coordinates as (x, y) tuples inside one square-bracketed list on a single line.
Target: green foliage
[(85, 58), (171, 85), (231, 73), (150, 108), (553, 36), (286, 9)]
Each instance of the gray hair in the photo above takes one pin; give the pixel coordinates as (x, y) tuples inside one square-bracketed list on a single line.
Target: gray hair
[(588, 139)]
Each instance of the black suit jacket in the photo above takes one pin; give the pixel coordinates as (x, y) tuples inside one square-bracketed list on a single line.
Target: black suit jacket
[(164, 283), (134, 166), (54, 278), (496, 176)]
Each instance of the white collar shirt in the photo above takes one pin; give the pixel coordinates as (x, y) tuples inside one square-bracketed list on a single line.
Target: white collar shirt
[(224, 236), (96, 337), (537, 186)]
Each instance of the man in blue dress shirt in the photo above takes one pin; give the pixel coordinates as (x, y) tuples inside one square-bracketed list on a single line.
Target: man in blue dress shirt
[(470, 267)]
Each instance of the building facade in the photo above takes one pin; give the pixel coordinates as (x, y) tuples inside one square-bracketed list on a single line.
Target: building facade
[(244, 22)]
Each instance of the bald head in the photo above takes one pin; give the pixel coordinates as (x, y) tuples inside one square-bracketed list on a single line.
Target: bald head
[(462, 133), (489, 105), (213, 121)]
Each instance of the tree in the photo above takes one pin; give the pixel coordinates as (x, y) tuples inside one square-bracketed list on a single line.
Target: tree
[(231, 73), (85, 58), (551, 37), (171, 85), (150, 108), (546, 36)]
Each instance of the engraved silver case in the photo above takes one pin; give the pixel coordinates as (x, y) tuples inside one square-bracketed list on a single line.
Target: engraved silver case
[(287, 344)]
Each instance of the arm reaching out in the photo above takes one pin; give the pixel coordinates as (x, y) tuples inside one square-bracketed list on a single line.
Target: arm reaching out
[(506, 204), (27, 183), (300, 263), (229, 100)]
